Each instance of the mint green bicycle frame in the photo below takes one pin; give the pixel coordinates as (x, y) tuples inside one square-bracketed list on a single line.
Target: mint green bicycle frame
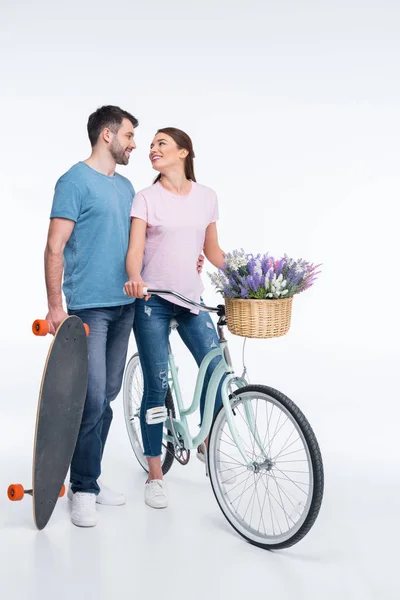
[(180, 425)]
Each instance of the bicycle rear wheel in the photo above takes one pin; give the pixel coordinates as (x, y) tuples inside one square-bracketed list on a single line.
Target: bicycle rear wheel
[(273, 502), (132, 395)]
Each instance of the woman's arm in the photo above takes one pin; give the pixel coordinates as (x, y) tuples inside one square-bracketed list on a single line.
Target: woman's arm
[(134, 258), (213, 252)]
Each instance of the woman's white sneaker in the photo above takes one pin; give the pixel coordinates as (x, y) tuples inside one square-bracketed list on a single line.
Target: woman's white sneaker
[(83, 512), (154, 494), (108, 496)]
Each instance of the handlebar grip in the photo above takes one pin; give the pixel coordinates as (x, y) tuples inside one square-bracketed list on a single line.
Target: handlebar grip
[(144, 291)]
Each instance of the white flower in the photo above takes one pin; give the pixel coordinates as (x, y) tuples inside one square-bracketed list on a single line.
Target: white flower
[(236, 260), (218, 279), (284, 292), (257, 267)]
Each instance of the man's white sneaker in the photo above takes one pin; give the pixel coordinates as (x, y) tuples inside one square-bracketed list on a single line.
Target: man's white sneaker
[(154, 494), (83, 512), (108, 496), (105, 496)]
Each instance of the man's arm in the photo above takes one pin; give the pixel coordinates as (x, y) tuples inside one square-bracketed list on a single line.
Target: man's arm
[(58, 235)]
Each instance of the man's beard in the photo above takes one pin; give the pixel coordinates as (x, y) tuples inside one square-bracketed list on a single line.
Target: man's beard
[(118, 153)]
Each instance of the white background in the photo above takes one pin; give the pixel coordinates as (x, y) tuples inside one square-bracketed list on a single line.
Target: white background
[(293, 108)]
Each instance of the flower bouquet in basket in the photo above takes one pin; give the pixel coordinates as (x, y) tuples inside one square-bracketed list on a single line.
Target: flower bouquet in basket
[(259, 290)]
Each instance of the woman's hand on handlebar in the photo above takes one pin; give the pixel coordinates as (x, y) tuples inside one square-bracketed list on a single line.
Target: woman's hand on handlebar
[(134, 289)]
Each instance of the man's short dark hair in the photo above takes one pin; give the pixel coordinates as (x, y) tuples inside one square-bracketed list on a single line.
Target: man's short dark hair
[(107, 116)]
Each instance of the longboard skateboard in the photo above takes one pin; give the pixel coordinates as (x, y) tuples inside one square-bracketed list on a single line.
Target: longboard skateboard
[(59, 414)]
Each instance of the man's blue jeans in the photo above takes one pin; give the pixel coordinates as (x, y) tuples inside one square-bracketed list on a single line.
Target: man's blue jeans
[(151, 330), (108, 341)]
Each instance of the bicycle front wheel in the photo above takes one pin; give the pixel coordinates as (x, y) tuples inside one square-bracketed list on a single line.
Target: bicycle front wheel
[(273, 498), (132, 395)]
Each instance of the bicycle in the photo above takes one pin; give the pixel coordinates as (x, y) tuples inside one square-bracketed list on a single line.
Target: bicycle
[(260, 444)]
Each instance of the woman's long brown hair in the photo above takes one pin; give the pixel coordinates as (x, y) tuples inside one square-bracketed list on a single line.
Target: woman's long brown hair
[(183, 142)]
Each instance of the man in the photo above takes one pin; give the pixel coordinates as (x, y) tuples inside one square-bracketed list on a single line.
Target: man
[(88, 239)]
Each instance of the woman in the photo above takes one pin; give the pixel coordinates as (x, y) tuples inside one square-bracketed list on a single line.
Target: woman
[(172, 222)]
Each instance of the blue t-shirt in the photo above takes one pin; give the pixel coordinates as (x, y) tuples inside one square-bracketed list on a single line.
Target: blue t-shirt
[(95, 254)]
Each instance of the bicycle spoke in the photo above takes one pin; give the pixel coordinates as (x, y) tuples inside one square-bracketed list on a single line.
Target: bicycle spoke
[(275, 434), (268, 421), (247, 426), (281, 506), (280, 496), (261, 510), (230, 462), (285, 491), (227, 435), (231, 490), (229, 444), (241, 496), (255, 421), (291, 461), (239, 463), (242, 440), (286, 447), (254, 500), (236, 472), (289, 453), (291, 480), (251, 497), (270, 508)]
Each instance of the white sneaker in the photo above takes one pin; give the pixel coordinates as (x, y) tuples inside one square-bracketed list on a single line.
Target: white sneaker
[(228, 476), (84, 509), (154, 494), (105, 496), (109, 497)]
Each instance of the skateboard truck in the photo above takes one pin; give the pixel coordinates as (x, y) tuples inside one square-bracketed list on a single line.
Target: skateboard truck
[(41, 327), (16, 492)]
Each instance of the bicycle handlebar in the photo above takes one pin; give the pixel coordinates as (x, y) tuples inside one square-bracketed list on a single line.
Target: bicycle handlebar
[(183, 298)]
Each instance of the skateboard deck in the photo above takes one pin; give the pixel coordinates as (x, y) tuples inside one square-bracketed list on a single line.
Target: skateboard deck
[(59, 414)]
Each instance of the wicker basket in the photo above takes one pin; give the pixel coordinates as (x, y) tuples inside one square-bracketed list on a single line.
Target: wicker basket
[(258, 318)]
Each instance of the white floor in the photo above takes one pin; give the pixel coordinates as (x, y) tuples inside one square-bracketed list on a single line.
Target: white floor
[(190, 550)]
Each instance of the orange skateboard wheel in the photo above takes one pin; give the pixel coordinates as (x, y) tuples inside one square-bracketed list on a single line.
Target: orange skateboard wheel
[(40, 327), (62, 492), (86, 329), (15, 492)]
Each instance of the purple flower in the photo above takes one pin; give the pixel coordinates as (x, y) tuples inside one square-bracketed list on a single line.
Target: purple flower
[(253, 281)]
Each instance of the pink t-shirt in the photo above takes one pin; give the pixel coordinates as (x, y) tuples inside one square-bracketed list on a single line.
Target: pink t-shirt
[(176, 227)]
